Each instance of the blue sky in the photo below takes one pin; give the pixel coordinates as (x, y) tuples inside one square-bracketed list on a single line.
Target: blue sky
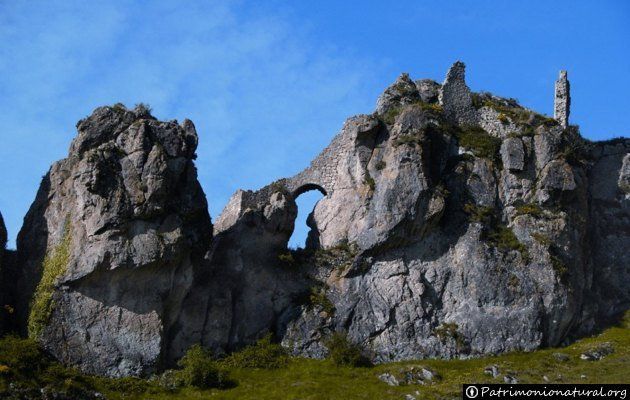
[(268, 85)]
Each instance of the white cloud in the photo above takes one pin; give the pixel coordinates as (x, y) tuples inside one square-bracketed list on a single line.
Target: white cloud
[(264, 96)]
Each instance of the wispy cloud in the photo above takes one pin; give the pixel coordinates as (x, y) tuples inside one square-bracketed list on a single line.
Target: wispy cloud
[(264, 98)]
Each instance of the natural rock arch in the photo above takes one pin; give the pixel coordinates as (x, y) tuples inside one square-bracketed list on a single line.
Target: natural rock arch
[(307, 187)]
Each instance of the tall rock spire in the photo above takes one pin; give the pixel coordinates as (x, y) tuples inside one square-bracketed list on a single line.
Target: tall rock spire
[(562, 100)]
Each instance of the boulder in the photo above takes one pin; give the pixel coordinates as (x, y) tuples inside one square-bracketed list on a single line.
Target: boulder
[(513, 154), (403, 91), (429, 90)]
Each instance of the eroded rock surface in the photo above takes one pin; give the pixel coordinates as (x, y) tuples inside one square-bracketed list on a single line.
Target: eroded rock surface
[(452, 224), (125, 221)]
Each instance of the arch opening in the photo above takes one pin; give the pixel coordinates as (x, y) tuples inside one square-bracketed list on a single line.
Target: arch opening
[(305, 234), (307, 188)]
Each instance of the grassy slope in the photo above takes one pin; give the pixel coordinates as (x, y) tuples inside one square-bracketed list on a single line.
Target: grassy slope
[(313, 379)]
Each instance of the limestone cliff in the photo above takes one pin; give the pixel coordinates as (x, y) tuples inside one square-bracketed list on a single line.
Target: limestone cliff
[(112, 243), (453, 224)]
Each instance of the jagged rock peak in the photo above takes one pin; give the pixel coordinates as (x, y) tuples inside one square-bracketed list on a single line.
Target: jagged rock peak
[(402, 91), (456, 97), (562, 100), (120, 226)]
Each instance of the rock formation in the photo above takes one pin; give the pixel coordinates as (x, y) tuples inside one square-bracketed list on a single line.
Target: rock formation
[(453, 224), (562, 100), (113, 242)]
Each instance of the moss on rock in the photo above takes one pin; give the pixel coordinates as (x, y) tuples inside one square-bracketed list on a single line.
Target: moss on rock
[(55, 264)]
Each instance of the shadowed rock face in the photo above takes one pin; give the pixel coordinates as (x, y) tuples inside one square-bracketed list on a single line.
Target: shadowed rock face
[(452, 224), (3, 283)]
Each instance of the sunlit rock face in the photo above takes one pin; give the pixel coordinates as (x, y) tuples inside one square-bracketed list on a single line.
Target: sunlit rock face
[(453, 224), (123, 224)]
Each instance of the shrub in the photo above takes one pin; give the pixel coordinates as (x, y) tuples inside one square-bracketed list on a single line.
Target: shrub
[(431, 107), (450, 331), (317, 297), (389, 116), (560, 268), (143, 110), (22, 356), (480, 142), (574, 152), (279, 187), (532, 209), (263, 354), (369, 181), (287, 258), (479, 213), (342, 352), (497, 234), (200, 370), (54, 265), (503, 238), (541, 238), (503, 119), (380, 165), (119, 107)]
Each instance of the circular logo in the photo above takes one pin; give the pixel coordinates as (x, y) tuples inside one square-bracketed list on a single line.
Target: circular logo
[(472, 392)]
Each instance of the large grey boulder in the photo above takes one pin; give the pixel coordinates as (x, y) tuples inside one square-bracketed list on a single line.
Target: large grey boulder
[(112, 242)]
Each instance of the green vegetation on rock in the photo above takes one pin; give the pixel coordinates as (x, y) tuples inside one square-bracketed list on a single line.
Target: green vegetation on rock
[(200, 369), (344, 353), (495, 232), (480, 142), (54, 265), (532, 209), (262, 354), (450, 331)]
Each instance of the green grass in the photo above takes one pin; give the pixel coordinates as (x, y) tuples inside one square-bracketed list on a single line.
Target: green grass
[(532, 209), (262, 354), (54, 265), (389, 117), (503, 238), (480, 142), (322, 379)]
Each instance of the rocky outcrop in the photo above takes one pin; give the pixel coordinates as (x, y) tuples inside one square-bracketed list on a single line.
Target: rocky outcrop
[(456, 98), (452, 224), (562, 100), (111, 245)]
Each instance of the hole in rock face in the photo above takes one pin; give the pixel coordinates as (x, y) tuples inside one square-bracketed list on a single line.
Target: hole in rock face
[(306, 197)]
